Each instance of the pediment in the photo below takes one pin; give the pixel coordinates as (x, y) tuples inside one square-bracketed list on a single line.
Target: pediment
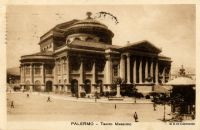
[(143, 46)]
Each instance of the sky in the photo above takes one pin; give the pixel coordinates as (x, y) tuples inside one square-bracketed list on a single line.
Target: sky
[(169, 27)]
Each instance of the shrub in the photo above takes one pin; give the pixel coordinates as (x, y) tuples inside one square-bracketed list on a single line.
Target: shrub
[(147, 97), (82, 94)]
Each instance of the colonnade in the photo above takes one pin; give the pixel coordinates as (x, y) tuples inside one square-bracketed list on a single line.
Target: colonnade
[(138, 63)]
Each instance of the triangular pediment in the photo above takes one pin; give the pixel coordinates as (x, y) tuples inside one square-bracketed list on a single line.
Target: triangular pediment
[(143, 46)]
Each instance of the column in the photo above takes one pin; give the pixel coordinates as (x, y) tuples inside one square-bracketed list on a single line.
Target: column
[(134, 71), (151, 70), (21, 74), (108, 70), (55, 73), (146, 69), (122, 67), (24, 73), (65, 88), (128, 69), (62, 70), (42, 84), (163, 75), (54, 88), (31, 88), (67, 67), (93, 76), (42, 73), (81, 78), (31, 73), (140, 71), (59, 88), (156, 73)]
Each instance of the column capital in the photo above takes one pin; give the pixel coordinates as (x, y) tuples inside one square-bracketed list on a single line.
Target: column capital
[(123, 55), (128, 54), (108, 57)]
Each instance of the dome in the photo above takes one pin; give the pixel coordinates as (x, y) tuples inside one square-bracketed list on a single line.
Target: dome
[(89, 22), (91, 26), (183, 81)]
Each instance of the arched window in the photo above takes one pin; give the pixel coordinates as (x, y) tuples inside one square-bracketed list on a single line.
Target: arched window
[(27, 70), (37, 69), (77, 38), (65, 81), (89, 39), (59, 81), (68, 41)]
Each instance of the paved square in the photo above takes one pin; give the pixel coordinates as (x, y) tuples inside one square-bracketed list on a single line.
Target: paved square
[(36, 108)]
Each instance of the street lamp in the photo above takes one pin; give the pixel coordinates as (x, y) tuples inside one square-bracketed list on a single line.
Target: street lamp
[(134, 90), (164, 112)]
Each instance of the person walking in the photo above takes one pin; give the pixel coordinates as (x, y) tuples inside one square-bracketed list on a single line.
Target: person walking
[(48, 99), (115, 106), (12, 104), (154, 106), (27, 95), (135, 116)]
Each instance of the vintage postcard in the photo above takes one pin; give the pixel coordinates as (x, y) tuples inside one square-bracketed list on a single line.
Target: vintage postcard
[(101, 66)]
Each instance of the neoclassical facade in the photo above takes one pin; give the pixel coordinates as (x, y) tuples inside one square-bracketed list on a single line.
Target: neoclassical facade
[(78, 56)]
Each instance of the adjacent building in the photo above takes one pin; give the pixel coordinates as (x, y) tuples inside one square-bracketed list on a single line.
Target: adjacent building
[(78, 56)]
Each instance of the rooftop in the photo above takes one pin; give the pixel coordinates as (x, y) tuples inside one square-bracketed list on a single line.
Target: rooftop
[(181, 81)]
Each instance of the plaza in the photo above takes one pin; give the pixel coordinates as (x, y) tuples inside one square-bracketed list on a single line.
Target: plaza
[(36, 108)]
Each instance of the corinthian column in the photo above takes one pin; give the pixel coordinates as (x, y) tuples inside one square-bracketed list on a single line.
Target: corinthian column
[(156, 73), (122, 67), (146, 69), (134, 71), (163, 75), (42, 73), (67, 67), (80, 78), (140, 71), (93, 76), (128, 69), (151, 70), (108, 70)]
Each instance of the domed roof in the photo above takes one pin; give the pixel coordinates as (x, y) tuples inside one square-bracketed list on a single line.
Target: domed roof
[(181, 81), (89, 21)]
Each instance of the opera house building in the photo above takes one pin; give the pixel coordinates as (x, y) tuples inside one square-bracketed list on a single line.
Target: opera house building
[(78, 56)]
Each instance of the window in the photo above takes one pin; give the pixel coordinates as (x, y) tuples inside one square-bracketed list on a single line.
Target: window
[(115, 70), (49, 70), (37, 70), (77, 38), (65, 67), (27, 70), (68, 41), (59, 69), (89, 39)]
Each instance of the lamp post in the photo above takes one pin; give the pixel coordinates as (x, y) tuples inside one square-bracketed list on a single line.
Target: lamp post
[(164, 112), (134, 90)]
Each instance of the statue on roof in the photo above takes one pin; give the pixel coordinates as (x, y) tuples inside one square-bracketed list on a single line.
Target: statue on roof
[(182, 71)]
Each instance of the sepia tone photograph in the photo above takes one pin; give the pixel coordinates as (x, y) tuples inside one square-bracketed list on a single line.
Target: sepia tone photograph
[(101, 65)]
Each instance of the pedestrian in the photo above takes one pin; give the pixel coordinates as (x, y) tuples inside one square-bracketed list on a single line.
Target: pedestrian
[(48, 99), (12, 104), (27, 95), (135, 116), (115, 106), (154, 106)]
